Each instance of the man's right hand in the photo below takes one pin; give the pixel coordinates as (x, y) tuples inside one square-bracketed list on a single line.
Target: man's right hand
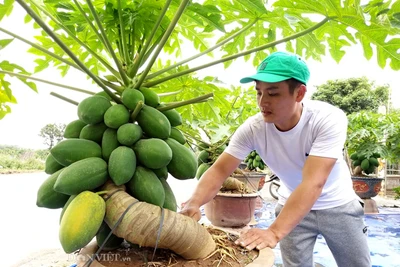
[(191, 210)]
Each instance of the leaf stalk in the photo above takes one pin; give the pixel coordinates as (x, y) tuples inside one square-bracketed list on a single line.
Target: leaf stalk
[(94, 54), (19, 75), (164, 39), (202, 53), (107, 43), (66, 49), (244, 53), (143, 52)]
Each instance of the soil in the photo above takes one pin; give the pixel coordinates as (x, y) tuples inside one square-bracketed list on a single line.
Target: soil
[(226, 254)]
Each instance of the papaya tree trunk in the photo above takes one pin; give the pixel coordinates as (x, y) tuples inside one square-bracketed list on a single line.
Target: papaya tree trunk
[(348, 161), (141, 224)]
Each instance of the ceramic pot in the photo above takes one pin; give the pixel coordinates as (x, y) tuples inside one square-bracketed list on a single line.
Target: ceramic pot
[(230, 209), (366, 187)]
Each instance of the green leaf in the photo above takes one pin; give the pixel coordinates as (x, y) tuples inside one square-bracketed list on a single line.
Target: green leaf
[(377, 35), (6, 95), (395, 20), (6, 65), (27, 19), (4, 109), (6, 7), (327, 8), (337, 37), (209, 13), (41, 64), (64, 69), (5, 42), (31, 85)]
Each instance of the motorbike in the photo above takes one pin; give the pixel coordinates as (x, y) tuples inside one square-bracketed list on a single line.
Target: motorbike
[(274, 184)]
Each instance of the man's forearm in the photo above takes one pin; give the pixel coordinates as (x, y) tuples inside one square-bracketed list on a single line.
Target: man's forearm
[(212, 179), (296, 208), (207, 187)]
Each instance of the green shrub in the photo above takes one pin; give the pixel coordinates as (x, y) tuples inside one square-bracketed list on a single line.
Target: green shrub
[(15, 158), (397, 192)]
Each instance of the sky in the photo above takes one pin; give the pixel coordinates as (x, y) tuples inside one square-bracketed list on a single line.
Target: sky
[(34, 110)]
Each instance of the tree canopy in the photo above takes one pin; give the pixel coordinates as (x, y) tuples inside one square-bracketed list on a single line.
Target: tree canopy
[(353, 94)]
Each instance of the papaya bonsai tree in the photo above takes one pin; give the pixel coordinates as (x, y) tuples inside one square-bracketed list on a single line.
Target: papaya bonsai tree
[(137, 45), (366, 141)]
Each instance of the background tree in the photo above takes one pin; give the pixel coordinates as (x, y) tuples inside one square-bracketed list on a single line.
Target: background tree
[(52, 134), (353, 94)]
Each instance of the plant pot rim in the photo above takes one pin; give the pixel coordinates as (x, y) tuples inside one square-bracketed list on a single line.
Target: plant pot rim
[(250, 195), (367, 177), (248, 173)]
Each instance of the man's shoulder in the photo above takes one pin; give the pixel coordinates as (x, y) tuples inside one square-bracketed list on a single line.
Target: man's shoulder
[(322, 108), (254, 122), (255, 119)]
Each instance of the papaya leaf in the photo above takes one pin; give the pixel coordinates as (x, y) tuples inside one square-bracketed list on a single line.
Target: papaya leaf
[(377, 35), (5, 42), (4, 109), (329, 8), (334, 32), (95, 66), (64, 69), (31, 85), (42, 64), (209, 13), (6, 96), (6, 65), (11, 67), (5, 89), (244, 12), (395, 20), (6, 7)]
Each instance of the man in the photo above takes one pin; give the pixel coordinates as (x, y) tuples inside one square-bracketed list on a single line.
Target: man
[(302, 143)]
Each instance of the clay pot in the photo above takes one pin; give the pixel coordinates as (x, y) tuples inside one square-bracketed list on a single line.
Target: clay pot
[(231, 209)]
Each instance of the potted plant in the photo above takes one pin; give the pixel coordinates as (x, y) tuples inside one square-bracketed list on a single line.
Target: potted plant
[(252, 171), (366, 145), (366, 182), (236, 201)]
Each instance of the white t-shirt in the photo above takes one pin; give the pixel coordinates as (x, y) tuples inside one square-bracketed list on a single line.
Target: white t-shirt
[(321, 131)]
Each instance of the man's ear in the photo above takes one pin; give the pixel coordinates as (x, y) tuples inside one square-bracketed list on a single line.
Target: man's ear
[(301, 92)]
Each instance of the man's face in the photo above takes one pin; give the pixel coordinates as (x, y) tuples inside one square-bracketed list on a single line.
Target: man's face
[(277, 105)]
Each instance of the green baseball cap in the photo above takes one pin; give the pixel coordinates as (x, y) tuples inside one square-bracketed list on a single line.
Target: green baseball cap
[(280, 66)]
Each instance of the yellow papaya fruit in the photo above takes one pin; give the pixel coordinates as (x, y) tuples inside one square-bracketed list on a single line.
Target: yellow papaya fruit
[(81, 221)]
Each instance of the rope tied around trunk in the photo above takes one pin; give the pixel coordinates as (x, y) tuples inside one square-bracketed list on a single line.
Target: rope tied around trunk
[(176, 232), (106, 198)]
